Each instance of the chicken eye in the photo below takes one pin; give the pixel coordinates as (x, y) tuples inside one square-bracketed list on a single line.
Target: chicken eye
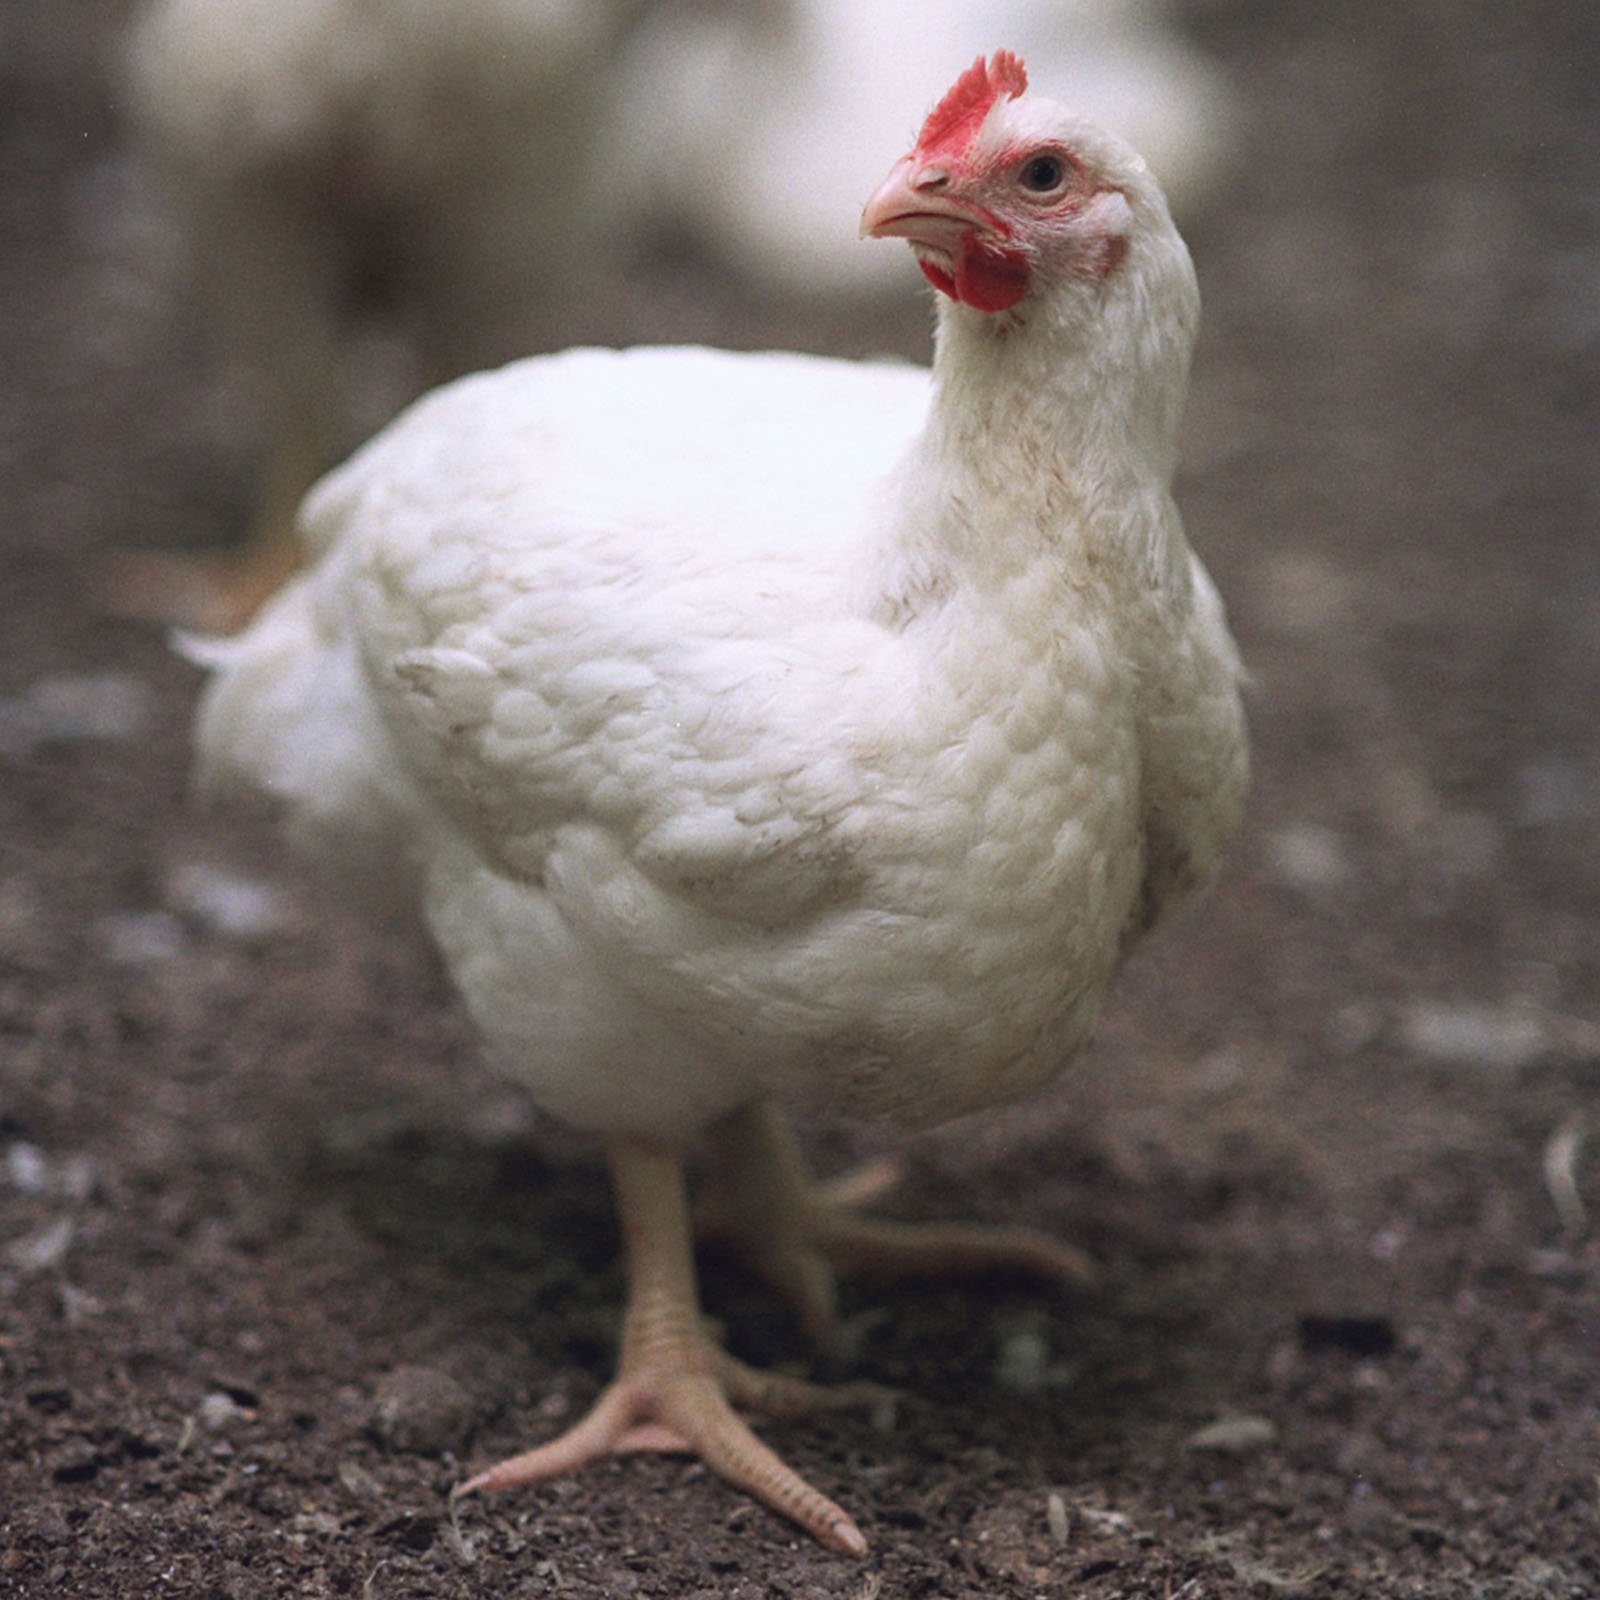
[(1042, 173)]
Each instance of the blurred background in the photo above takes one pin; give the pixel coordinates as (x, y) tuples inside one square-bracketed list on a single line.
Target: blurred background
[(276, 1255)]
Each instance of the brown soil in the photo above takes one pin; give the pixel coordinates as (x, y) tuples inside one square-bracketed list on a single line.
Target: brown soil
[(278, 1257)]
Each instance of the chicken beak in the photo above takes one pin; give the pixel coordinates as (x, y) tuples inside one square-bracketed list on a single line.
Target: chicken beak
[(914, 202)]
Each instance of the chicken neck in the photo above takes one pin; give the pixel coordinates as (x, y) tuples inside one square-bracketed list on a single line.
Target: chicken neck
[(1051, 439)]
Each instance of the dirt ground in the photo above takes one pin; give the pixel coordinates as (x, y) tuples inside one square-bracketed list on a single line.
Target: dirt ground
[(279, 1258)]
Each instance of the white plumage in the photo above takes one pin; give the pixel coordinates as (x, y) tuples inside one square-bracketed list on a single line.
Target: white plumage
[(754, 729)]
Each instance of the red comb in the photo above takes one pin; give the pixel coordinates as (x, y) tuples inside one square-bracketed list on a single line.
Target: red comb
[(969, 100)]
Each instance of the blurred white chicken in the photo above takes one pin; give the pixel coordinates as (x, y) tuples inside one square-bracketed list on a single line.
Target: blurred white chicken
[(325, 157), (483, 168), (762, 729), (717, 97)]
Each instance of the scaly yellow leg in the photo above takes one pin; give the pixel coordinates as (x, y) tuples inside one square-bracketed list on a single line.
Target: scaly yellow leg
[(673, 1387)]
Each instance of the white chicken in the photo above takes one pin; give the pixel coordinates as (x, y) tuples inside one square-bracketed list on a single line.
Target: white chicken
[(761, 729)]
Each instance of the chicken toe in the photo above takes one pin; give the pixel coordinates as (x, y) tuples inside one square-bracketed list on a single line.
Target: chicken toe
[(798, 1235), (674, 1389)]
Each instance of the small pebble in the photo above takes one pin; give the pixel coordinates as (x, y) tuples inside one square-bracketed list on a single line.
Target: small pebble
[(1557, 1266), (1057, 1518), (1023, 1365), (422, 1409), (25, 1168), (1219, 1071), (1494, 1038), (885, 1415), (358, 1482), (1236, 1435), (218, 1410), (317, 1525), (51, 1526), (69, 708), (226, 903), (76, 1462), (78, 1306), (1106, 1521), (1308, 857), (45, 1248)]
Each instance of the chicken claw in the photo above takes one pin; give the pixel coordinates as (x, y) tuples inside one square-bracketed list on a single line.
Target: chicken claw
[(675, 1390), (799, 1235)]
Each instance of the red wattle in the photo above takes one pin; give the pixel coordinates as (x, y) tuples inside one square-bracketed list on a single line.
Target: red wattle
[(991, 280), (939, 278), (986, 280)]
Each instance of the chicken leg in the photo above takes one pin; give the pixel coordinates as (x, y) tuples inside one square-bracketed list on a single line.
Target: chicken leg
[(674, 1389), (763, 1208), (220, 593)]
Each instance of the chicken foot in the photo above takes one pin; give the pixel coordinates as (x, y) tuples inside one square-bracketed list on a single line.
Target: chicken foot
[(219, 593), (674, 1389), (765, 1210)]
